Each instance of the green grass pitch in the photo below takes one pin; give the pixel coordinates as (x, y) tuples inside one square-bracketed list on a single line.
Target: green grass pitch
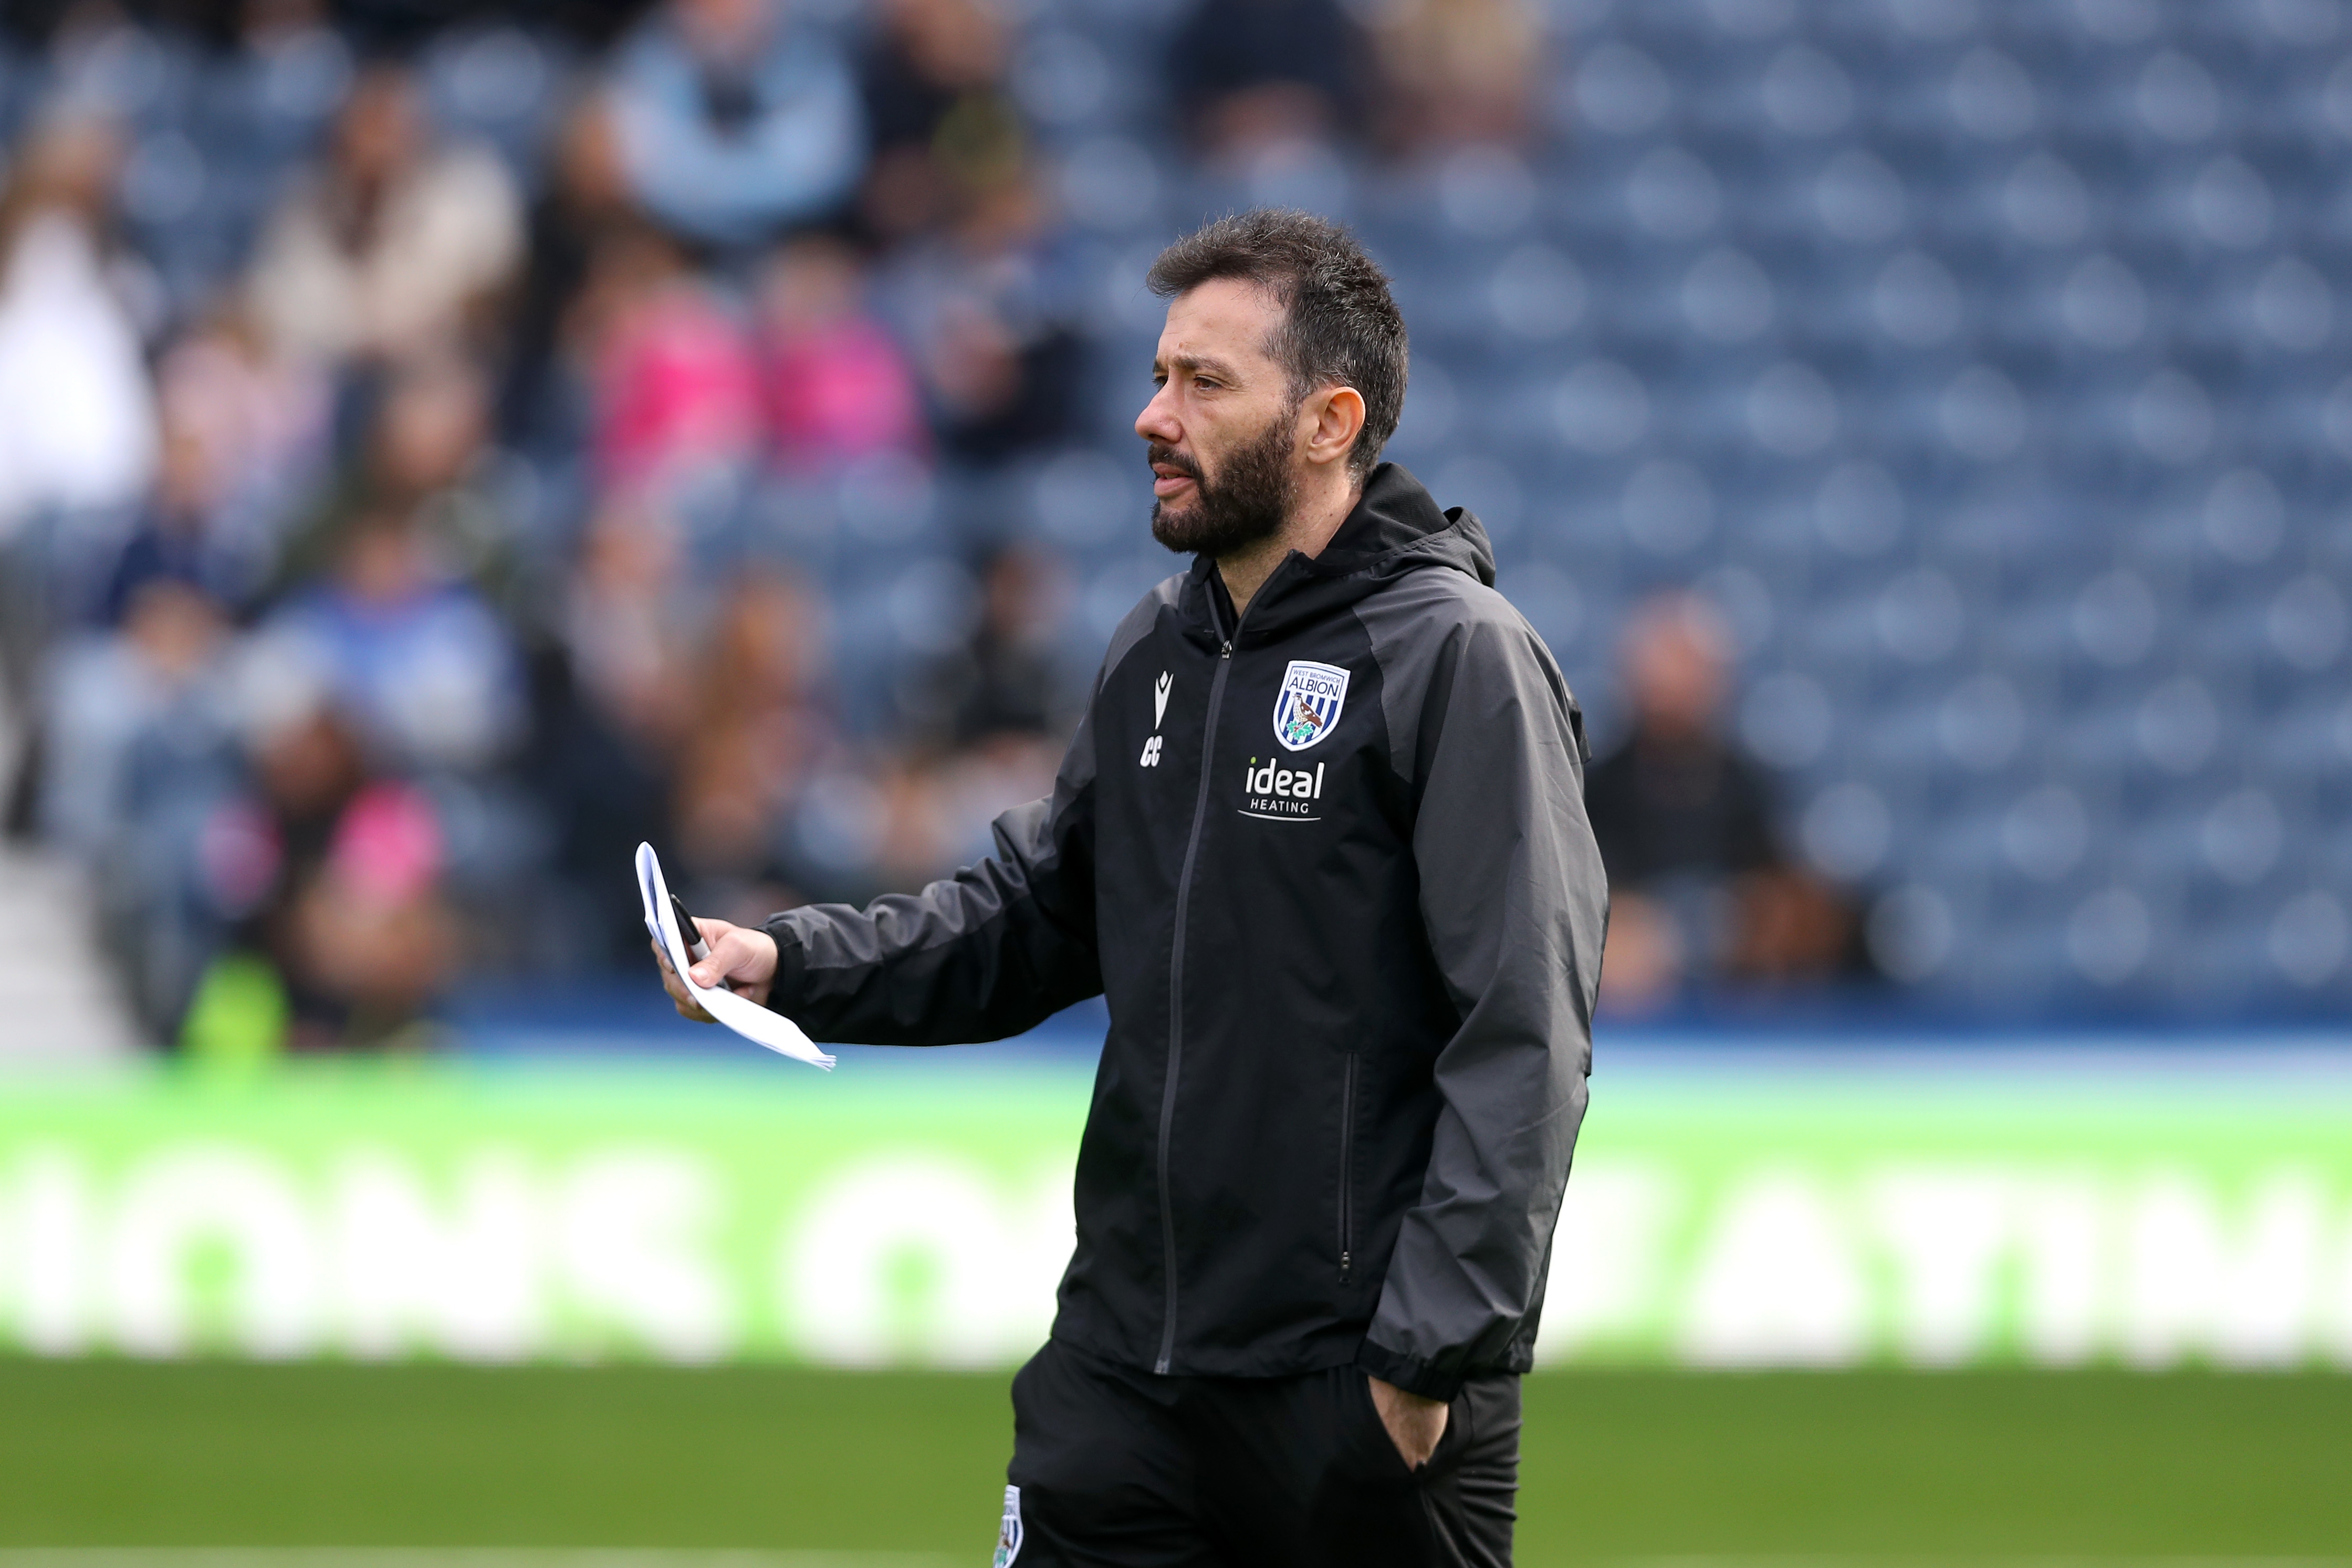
[(1618, 1465)]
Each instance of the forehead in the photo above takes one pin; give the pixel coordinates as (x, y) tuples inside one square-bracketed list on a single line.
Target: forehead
[(1224, 319)]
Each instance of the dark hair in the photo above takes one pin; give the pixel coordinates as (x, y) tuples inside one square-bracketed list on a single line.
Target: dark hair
[(1340, 328)]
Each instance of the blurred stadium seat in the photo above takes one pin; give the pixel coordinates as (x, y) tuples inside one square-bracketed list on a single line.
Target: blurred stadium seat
[(1984, 362)]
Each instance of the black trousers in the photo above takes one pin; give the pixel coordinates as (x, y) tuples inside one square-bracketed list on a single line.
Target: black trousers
[(1115, 1466)]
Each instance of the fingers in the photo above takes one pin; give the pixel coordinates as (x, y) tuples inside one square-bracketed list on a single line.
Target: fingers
[(680, 998), (715, 935), (730, 955), (741, 959)]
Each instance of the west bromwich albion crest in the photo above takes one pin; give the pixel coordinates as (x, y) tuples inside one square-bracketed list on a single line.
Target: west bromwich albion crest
[(1309, 703), (1008, 1533)]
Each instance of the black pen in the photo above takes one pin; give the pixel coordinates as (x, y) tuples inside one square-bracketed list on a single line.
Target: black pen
[(689, 932)]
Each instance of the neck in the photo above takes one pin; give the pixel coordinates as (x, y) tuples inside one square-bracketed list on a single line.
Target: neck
[(1309, 527)]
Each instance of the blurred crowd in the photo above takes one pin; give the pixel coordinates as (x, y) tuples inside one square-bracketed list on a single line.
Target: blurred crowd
[(442, 446), (421, 520)]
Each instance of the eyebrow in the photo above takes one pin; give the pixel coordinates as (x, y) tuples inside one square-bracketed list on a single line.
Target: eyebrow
[(1196, 363)]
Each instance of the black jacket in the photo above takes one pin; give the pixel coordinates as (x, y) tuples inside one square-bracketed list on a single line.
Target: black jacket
[(1333, 871)]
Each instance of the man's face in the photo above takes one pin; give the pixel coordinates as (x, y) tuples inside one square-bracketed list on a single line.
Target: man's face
[(727, 31), (1222, 427), (1675, 667)]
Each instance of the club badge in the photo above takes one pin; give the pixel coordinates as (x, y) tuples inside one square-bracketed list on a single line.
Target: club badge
[(1308, 704), (1008, 1534)]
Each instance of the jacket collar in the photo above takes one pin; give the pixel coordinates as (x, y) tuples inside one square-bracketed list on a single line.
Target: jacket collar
[(1396, 527)]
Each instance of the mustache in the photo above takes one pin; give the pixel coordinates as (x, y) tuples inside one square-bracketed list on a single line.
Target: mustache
[(1158, 453)]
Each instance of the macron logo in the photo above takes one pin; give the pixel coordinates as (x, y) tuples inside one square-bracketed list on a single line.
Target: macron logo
[(1151, 758)]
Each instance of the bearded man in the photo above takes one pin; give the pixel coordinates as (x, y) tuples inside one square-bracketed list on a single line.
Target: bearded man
[(1321, 841)]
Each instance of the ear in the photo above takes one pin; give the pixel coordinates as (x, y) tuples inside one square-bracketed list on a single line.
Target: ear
[(1332, 419)]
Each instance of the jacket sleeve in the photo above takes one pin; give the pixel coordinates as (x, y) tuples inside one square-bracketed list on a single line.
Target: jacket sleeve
[(1514, 903), (991, 950)]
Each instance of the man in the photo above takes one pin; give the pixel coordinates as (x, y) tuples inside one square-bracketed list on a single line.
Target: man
[(1321, 841), (1684, 819)]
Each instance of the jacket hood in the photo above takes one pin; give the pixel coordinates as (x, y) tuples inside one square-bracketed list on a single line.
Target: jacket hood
[(1397, 527)]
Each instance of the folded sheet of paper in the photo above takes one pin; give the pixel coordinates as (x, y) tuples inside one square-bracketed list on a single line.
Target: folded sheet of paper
[(741, 1014)]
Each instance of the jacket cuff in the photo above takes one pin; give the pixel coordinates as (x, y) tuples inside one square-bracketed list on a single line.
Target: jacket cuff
[(1409, 1372), (791, 961)]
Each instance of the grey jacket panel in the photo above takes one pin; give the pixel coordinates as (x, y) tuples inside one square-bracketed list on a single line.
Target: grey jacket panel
[(1515, 905), (1137, 625)]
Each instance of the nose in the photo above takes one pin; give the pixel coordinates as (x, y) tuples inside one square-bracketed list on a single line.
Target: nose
[(1158, 421)]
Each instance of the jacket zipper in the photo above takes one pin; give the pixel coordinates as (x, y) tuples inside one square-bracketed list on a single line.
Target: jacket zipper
[(1348, 1170), (1176, 1001)]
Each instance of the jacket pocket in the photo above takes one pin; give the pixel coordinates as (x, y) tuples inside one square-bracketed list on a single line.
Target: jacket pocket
[(1347, 1169)]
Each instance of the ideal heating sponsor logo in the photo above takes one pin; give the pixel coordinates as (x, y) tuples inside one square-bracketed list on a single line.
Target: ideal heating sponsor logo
[(1293, 794)]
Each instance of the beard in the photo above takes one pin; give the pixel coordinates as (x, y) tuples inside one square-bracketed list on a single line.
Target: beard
[(1244, 503)]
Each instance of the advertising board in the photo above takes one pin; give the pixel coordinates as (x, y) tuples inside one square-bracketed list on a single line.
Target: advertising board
[(1726, 1209)]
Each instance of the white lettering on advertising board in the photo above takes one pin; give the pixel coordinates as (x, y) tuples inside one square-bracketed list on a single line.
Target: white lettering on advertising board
[(921, 1256)]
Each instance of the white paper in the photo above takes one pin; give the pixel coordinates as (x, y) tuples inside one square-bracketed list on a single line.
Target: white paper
[(746, 1018)]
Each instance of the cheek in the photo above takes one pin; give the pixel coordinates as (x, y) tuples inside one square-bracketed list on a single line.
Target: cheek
[(1214, 434)]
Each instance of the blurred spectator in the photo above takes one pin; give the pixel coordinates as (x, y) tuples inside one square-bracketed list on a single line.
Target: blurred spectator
[(417, 658), (976, 785), (1698, 888), (138, 723), (943, 124), (175, 538), (255, 422), (1676, 796), (628, 629), (895, 819), (929, 813), (586, 205), (675, 385), (1247, 74), (985, 306), (391, 244), (609, 707), (138, 737), (336, 878), (756, 731), (158, 669), (373, 940), (838, 386), (1457, 71), (76, 412), (988, 723), (737, 122), (1010, 680), (421, 460)]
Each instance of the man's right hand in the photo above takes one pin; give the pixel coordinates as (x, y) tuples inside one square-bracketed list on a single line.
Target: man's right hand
[(742, 957)]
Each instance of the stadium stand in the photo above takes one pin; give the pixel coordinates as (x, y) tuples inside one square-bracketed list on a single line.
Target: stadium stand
[(1981, 362)]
